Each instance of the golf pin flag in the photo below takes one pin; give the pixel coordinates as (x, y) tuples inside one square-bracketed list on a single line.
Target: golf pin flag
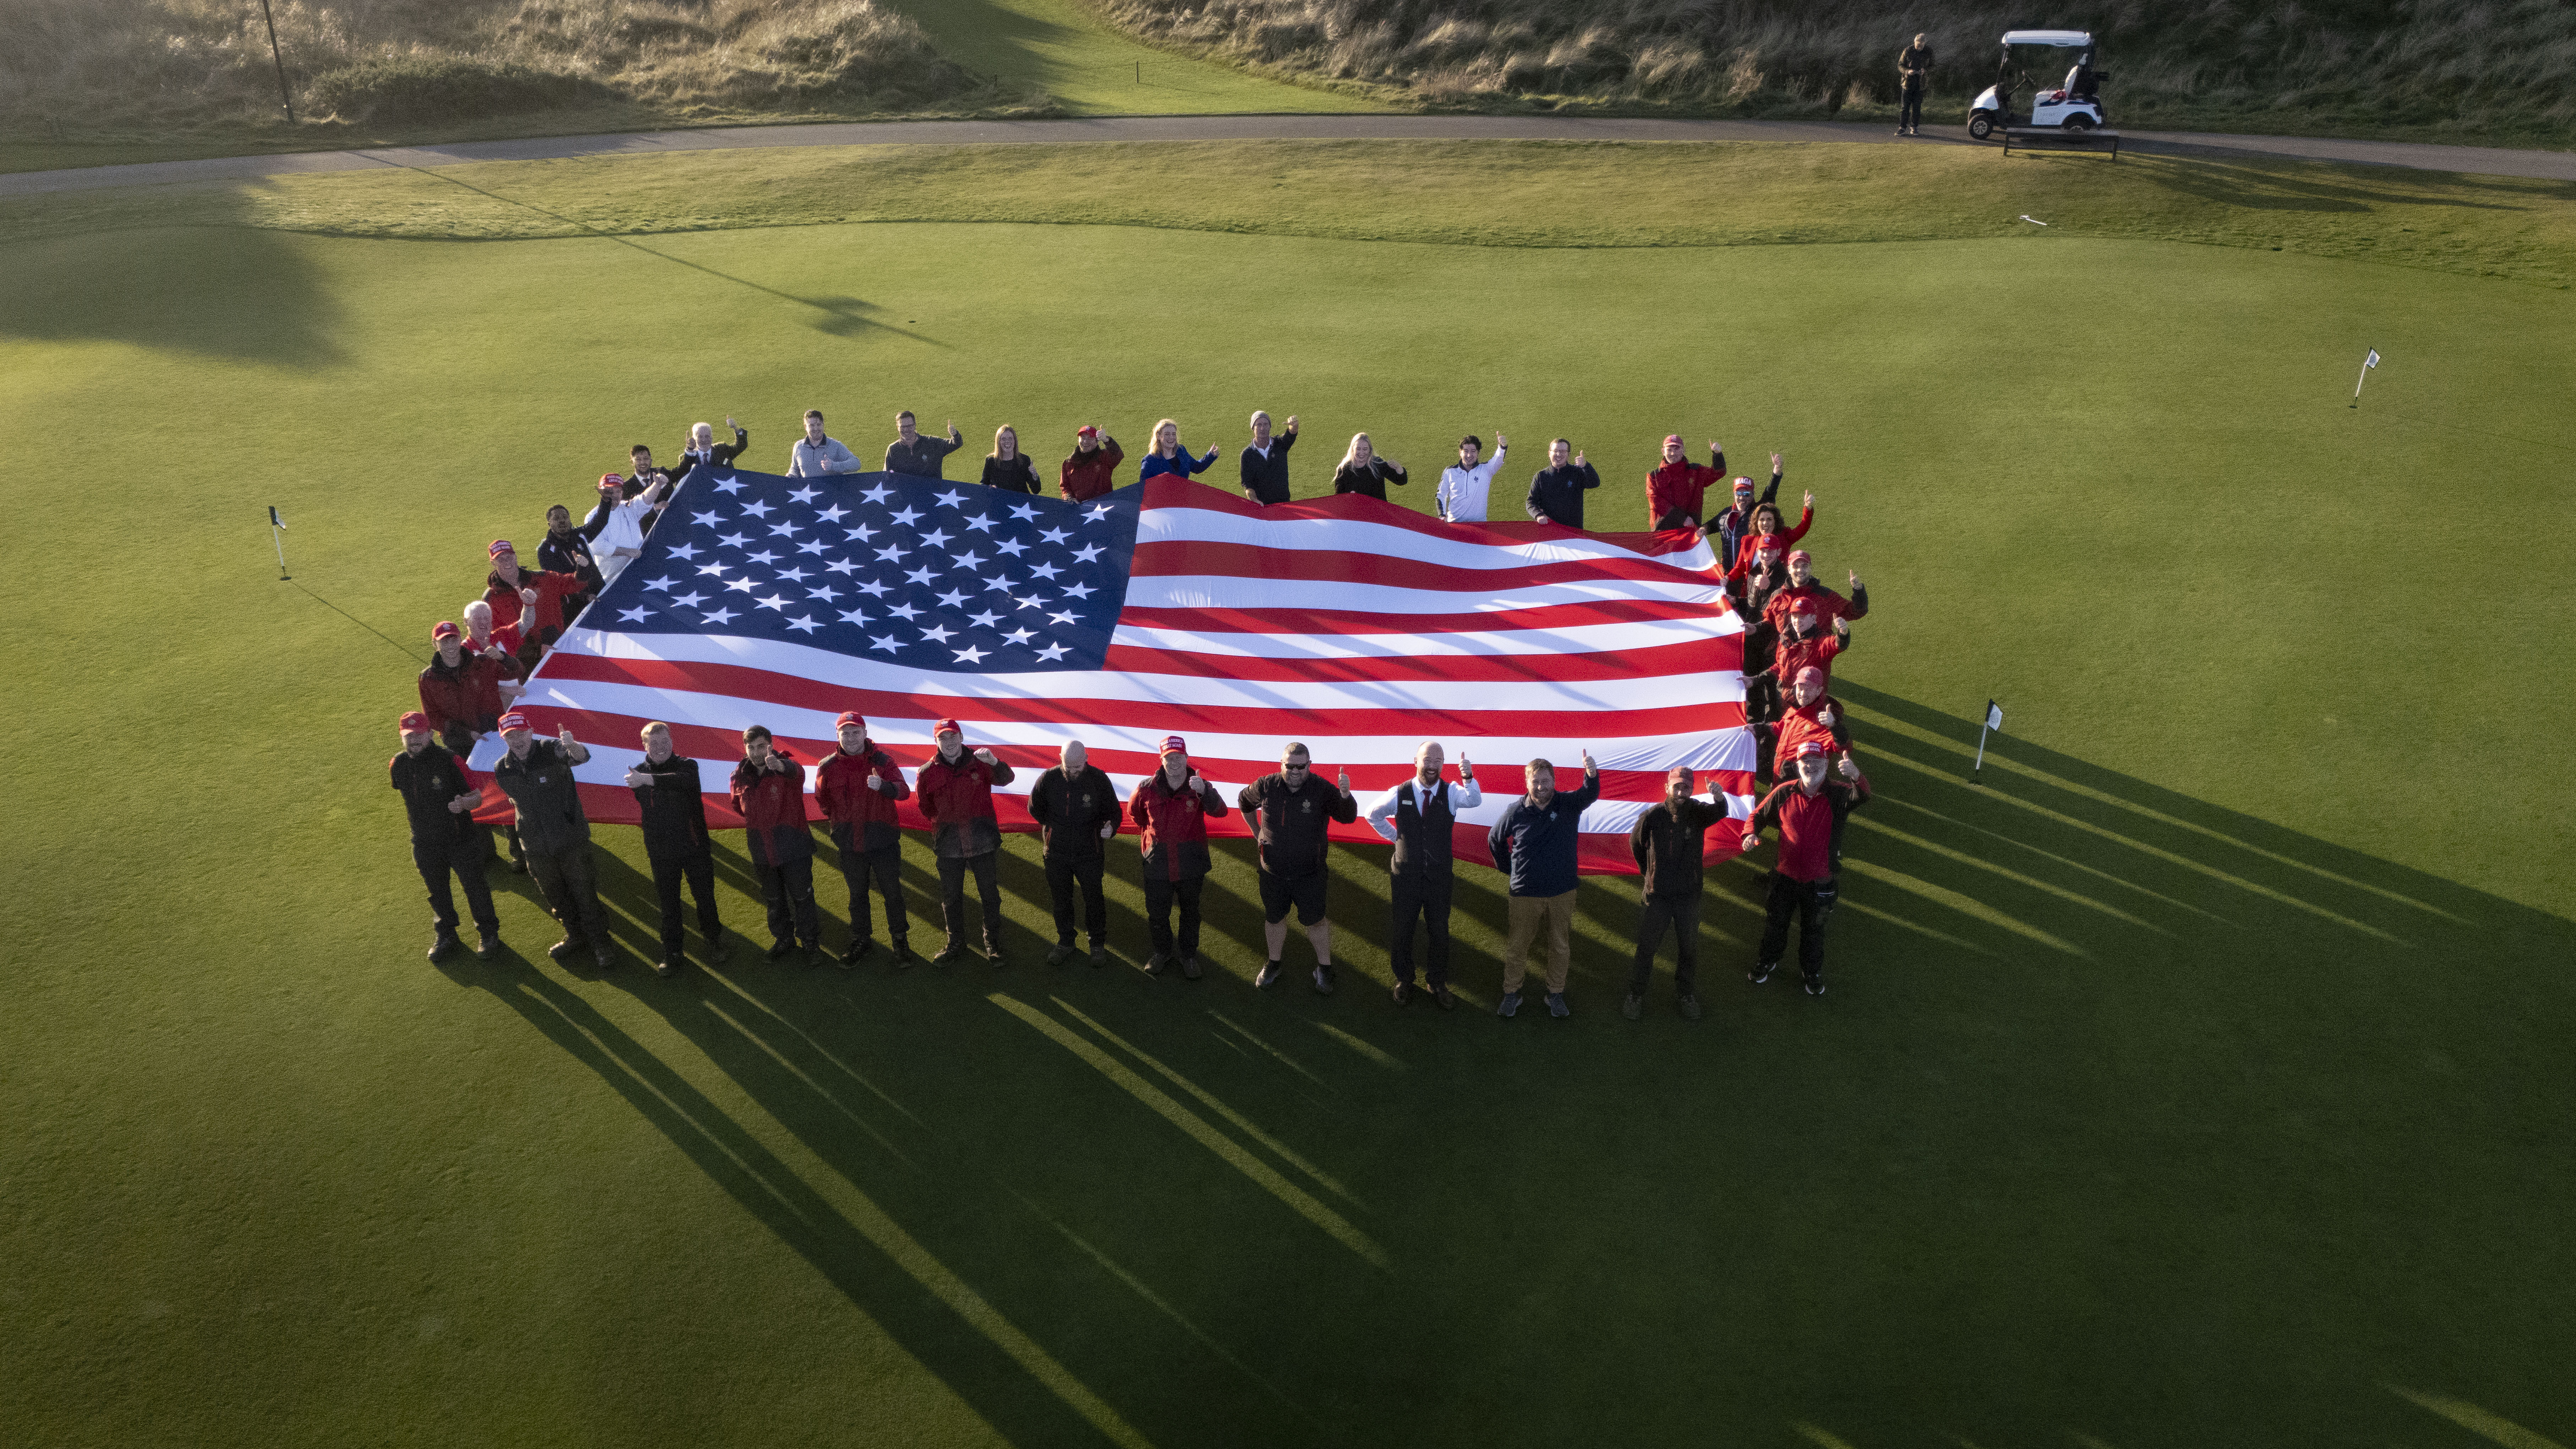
[(1994, 715), (2371, 361), (276, 522)]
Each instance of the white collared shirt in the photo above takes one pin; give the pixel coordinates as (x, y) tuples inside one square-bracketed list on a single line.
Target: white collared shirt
[(1381, 811), (1461, 494)]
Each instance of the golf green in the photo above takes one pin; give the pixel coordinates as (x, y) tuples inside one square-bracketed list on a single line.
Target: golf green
[(2199, 1077)]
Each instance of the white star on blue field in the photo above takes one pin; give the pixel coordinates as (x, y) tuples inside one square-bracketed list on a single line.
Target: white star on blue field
[(943, 576)]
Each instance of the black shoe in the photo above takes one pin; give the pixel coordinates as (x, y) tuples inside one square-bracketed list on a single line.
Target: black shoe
[(442, 943), (859, 951), (486, 942), (1323, 981), (995, 954), (1690, 1008), (1403, 993), (1448, 999), (779, 948), (1633, 1007), (669, 965), (1157, 964), (947, 956), (719, 946), (1268, 974), (1761, 971), (600, 953), (902, 953), (1191, 968), (1815, 982), (1059, 953), (1100, 954), (1556, 1006), (565, 947), (519, 864), (1509, 1006)]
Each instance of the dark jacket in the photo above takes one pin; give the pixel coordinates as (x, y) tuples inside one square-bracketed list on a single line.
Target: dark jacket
[(775, 827), (569, 553), (1536, 846), (1266, 479), (1556, 494), (1156, 465), (428, 781), (1731, 521), (549, 803), (1669, 842), (1367, 479), (1171, 826), (1293, 826), (1426, 834), (1016, 476), (924, 457), (675, 809), (1084, 476), (718, 455), (1070, 813), (958, 799)]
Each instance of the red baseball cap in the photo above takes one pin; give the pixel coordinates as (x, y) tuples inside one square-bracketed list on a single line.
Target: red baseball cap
[(1743, 485), (946, 727), (848, 718), (501, 546), (513, 721), (1086, 431), (1766, 543), (413, 720), (1796, 554), (1175, 745), (1810, 671), (611, 480), (1812, 749), (1672, 440), (444, 629)]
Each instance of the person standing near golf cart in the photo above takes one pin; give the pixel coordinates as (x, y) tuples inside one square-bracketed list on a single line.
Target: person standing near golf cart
[(1914, 77)]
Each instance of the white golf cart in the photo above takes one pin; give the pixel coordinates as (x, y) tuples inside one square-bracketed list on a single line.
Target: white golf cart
[(2075, 105)]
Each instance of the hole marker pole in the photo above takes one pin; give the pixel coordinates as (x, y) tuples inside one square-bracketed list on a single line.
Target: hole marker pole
[(1994, 721), (277, 535), (2367, 363)]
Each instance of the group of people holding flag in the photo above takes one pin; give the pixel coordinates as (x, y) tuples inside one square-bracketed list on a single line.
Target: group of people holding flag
[(1794, 629)]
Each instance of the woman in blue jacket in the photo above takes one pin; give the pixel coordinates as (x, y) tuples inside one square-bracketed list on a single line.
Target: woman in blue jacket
[(1168, 456)]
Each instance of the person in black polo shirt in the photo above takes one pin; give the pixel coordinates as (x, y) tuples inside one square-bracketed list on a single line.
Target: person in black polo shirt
[(1419, 817), (440, 801), (1556, 491), (1292, 811), (1265, 462), (537, 776), (1076, 808), (1667, 841), (675, 842), (916, 456)]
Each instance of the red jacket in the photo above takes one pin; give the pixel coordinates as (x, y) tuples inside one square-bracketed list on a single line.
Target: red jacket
[(1678, 488), (1815, 651), (1800, 723), (1811, 826), (1752, 543), (1171, 826), (857, 811), (958, 799), (1088, 475), (1822, 602), (467, 697), (773, 811), (550, 587)]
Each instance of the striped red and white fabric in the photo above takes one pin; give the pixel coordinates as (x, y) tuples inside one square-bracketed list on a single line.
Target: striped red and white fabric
[(1357, 627)]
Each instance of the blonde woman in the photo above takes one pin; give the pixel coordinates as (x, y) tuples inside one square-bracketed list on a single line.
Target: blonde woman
[(1363, 472), (1168, 456), (1008, 468)]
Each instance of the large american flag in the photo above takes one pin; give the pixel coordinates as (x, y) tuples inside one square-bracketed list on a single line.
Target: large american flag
[(1360, 627)]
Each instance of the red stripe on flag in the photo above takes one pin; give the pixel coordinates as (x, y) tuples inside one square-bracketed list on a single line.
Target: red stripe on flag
[(1354, 621), (1169, 491), (1703, 656), (1197, 558)]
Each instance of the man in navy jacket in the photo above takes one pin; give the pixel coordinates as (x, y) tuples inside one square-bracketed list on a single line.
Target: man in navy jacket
[(1534, 843)]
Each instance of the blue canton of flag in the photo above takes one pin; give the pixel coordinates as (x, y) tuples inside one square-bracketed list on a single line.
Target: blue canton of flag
[(955, 577)]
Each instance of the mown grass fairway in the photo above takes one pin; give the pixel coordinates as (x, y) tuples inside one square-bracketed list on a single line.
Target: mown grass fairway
[(2200, 1078)]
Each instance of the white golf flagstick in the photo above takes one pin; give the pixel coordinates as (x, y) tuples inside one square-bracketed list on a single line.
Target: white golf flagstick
[(1994, 721), (2367, 363), (277, 535)]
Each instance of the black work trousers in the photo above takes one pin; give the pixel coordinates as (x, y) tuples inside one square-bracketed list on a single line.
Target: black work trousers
[(885, 868), (1812, 902), (698, 868), (1909, 110), (952, 897), (787, 888), (1422, 895), (1678, 914), (466, 857), (1159, 895), (1063, 873), (570, 886)]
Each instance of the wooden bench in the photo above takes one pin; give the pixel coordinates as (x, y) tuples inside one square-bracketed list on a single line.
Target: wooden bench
[(2036, 137)]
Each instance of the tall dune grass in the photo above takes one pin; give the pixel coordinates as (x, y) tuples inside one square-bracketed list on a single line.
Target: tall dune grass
[(2506, 69), (175, 64)]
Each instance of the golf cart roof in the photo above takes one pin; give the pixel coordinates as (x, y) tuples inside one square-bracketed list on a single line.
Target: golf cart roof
[(2069, 38)]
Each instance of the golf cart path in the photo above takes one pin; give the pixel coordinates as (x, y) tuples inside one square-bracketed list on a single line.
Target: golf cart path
[(2479, 160)]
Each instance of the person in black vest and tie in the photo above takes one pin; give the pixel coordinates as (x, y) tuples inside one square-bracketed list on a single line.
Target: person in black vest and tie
[(1418, 818), (676, 843)]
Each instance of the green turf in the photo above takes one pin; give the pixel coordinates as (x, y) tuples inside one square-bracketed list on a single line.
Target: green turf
[(1092, 69), (2197, 1079)]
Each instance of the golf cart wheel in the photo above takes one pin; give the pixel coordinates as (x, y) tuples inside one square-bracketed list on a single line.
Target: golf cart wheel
[(2078, 122), (1981, 125)]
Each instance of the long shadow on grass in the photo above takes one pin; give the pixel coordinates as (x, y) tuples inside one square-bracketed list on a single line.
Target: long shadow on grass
[(2128, 1113)]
